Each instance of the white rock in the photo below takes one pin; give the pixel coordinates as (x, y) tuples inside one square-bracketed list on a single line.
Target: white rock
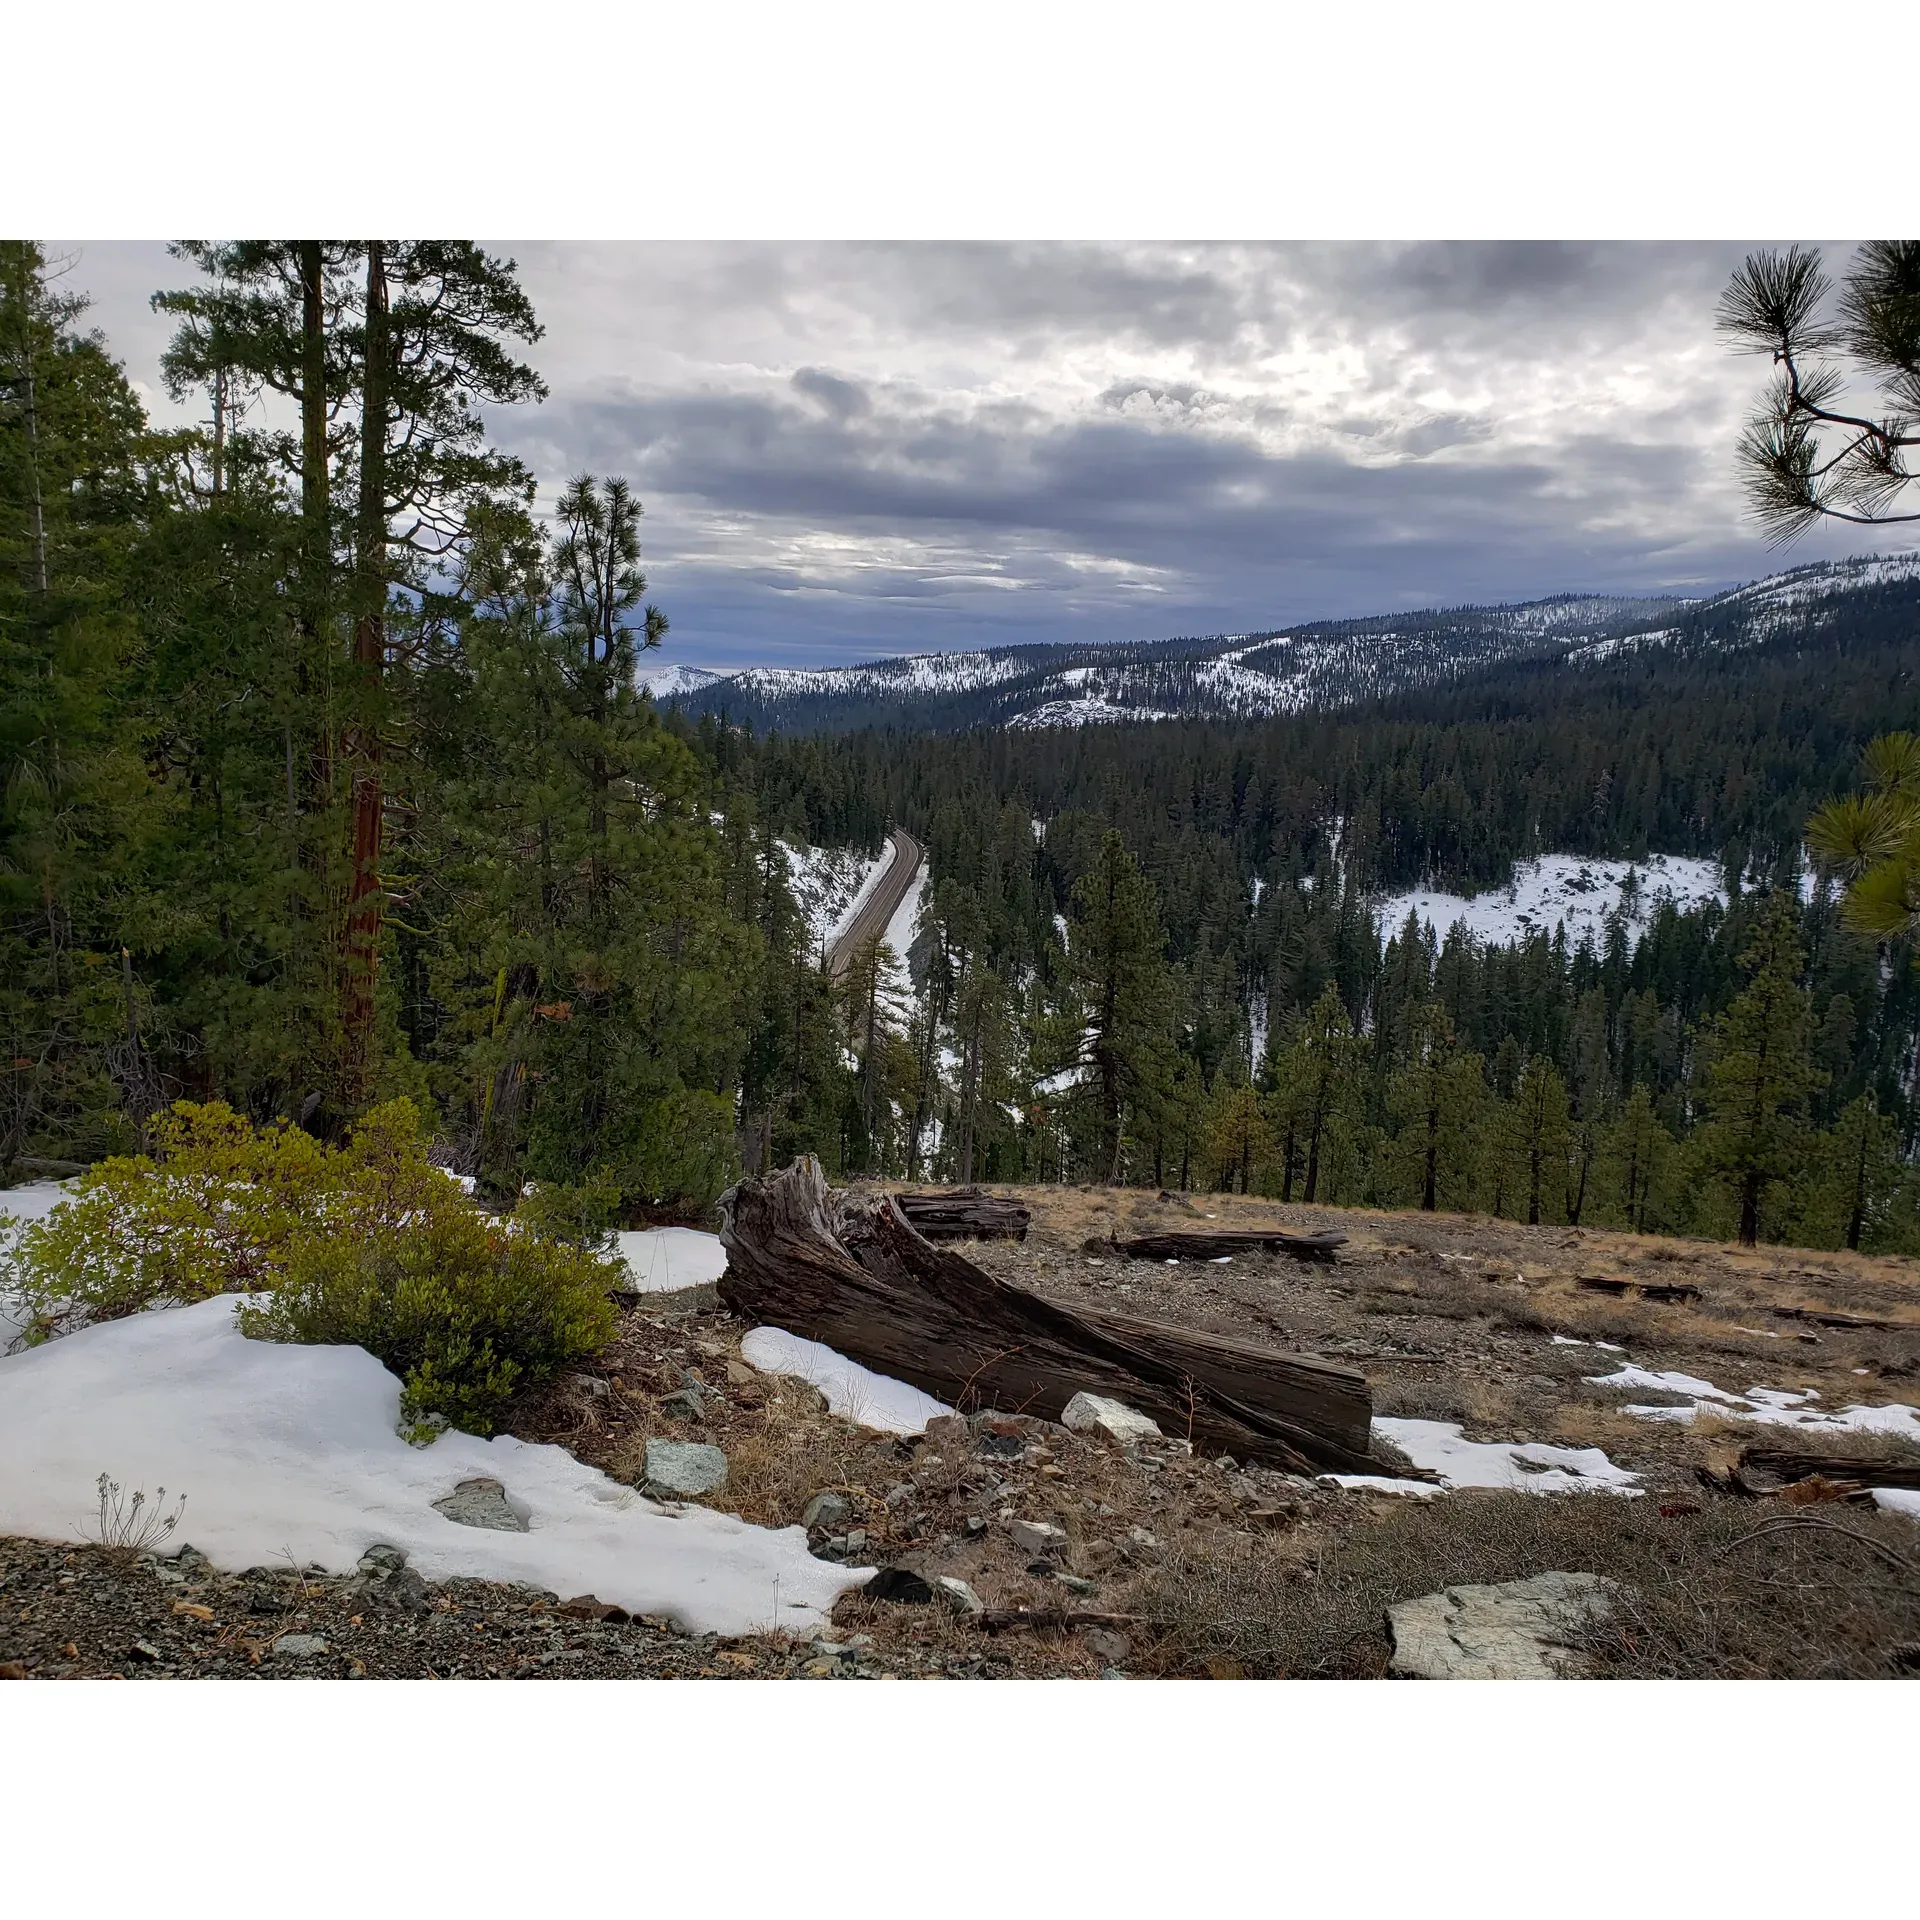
[(1091, 1413), (1517, 1630), (1036, 1536), (957, 1594)]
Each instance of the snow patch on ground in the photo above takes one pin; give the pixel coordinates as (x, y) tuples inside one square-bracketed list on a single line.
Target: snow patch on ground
[(1769, 1406), (1523, 1467), (664, 1259), (291, 1453), (1563, 890), (853, 1392)]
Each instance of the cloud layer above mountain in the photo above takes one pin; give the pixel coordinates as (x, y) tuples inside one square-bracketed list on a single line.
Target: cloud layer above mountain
[(854, 449)]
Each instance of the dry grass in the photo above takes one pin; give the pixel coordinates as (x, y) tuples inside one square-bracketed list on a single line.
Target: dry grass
[(1728, 1591)]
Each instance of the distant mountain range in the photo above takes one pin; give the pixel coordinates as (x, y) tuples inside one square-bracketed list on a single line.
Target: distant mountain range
[(1328, 664)]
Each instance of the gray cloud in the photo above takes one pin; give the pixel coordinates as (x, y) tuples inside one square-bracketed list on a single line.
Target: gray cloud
[(853, 449)]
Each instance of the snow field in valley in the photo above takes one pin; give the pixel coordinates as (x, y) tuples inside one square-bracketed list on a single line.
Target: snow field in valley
[(1563, 890), (291, 1453)]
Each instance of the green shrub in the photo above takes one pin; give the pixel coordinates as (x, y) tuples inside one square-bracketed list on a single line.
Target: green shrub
[(368, 1244), (212, 1211), (465, 1310)]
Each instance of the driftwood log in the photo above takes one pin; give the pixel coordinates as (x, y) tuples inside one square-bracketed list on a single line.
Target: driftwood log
[(1212, 1246), (855, 1275), (962, 1213)]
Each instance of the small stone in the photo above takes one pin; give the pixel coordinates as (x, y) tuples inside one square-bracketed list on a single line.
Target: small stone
[(1107, 1646), (857, 1540), (822, 1669), (481, 1503), (957, 1594), (382, 1560), (739, 1374), (1515, 1630), (1036, 1536), (145, 1650), (588, 1606), (684, 1468), (976, 1523), (948, 1431), (826, 1511), (297, 1646), (402, 1591), (590, 1384), (1093, 1413), (1226, 1464), (689, 1403), (1074, 1584), (1141, 1538)]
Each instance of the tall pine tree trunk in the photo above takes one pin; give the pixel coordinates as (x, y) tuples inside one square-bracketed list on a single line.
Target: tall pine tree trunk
[(369, 659)]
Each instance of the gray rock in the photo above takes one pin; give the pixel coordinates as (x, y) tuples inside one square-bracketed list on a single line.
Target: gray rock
[(481, 1503), (685, 1468), (688, 1403), (1036, 1536), (589, 1383), (1093, 1413), (1074, 1584), (295, 1646), (402, 1591), (1108, 1647), (379, 1561), (857, 1540), (826, 1510), (957, 1594), (1517, 1630)]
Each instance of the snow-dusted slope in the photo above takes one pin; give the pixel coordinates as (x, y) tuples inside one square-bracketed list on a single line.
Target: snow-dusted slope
[(830, 883), (1563, 890), (670, 682), (1304, 669)]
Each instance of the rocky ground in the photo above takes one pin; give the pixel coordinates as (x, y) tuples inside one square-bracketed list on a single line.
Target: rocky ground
[(1013, 1547)]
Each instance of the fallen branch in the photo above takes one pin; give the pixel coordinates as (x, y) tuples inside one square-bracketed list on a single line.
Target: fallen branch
[(1213, 1246)]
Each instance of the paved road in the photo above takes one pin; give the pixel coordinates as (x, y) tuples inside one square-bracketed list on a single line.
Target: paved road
[(881, 903)]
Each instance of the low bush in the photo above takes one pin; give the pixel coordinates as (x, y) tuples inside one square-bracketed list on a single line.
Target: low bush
[(467, 1311), (367, 1244)]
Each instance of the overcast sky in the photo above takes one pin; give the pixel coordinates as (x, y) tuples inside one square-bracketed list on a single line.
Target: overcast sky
[(851, 450)]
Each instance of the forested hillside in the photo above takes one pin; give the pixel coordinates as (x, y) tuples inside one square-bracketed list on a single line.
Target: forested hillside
[(1318, 668), (332, 775)]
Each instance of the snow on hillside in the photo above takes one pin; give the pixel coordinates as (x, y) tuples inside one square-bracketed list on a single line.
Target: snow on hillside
[(1563, 889), (666, 682), (830, 883)]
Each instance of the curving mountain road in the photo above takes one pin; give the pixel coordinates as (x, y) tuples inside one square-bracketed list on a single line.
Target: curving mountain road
[(882, 903)]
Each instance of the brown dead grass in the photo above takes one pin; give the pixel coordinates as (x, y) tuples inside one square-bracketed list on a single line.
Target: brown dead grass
[(1726, 1590)]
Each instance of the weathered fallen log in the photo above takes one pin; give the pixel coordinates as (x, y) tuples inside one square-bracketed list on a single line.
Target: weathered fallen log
[(1761, 1464), (1212, 1246), (962, 1213), (1830, 1317), (855, 1275)]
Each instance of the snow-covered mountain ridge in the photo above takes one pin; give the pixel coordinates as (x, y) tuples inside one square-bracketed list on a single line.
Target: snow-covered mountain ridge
[(1317, 667)]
